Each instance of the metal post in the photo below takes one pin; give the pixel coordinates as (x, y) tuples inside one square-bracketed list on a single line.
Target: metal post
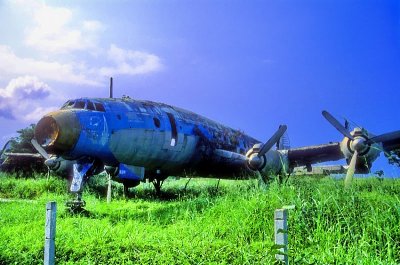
[(281, 236), (109, 189), (111, 87), (50, 234)]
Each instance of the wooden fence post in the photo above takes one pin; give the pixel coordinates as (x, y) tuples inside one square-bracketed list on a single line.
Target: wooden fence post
[(281, 235), (50, 234)]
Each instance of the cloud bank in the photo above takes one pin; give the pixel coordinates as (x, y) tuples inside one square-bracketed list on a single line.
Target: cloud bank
[(54, 38), (12, 65), (130, 62), (58, 36), (53, 31), (22, 98)]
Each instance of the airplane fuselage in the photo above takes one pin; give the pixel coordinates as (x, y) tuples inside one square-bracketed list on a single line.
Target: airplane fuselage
[(161, 138)]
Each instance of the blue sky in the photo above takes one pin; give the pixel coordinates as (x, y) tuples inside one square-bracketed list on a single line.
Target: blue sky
[(251, 65)]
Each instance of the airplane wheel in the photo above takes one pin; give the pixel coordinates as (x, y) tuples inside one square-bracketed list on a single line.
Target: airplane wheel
[(129, 184)]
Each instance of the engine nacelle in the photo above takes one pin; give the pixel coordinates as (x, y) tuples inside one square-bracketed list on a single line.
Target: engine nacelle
[(271, 163), (367, 152), (129, 175)]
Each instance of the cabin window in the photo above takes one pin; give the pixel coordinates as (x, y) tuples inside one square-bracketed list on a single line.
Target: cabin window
[(99, 107), (79, 104), (90, 105), (174, 131)]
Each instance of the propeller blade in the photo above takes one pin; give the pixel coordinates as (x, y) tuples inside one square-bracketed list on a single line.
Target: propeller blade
[(351, 169), (335, 123), (40, 149), (386, 137), (273, 140)]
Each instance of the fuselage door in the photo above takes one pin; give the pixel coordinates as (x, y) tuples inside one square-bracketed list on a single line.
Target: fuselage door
[(174, 130), (173, 139)]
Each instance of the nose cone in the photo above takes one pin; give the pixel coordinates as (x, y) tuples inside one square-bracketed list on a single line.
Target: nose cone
[(58, 131)]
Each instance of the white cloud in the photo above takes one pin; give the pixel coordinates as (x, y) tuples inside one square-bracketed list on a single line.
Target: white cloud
[(92, 25), (23, 97), (125, 62), (57, 36), (130, 62), (25, 87), (37, 113), (12, 65), (56, 30)]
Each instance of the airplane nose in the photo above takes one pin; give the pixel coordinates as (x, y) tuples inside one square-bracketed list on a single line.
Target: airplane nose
[(58, 131)]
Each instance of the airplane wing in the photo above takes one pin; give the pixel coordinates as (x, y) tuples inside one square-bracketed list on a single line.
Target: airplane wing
[(392, 142), (303, 156), (22, 155), (228, 163), (231, 158), (26, 162), (308, 155)]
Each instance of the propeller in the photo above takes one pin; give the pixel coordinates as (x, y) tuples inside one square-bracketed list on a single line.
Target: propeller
[(255, 159), (351, 170), (360, 143), (332, 120), (52, 162), (40, 149), (45, 155), (273, 140)]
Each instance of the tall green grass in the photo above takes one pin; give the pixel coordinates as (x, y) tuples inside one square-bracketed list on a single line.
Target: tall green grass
[(230, 222)]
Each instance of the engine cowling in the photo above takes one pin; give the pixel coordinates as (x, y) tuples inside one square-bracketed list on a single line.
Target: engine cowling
[(367, 152), (272, 162)]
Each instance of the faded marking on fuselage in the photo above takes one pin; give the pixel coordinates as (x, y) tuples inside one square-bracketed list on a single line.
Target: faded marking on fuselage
[(105, 134)]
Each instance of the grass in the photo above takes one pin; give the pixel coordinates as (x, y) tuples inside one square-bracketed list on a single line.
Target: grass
[(206, 223)]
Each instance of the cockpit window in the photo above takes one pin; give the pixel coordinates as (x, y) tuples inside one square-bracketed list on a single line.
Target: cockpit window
[(64, 105), (79, 104), (90, 105), (67, 104), (83, 104), (99, 106)]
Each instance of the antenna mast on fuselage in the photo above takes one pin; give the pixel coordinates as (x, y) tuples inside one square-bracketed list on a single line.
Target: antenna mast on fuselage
[(111, 87)]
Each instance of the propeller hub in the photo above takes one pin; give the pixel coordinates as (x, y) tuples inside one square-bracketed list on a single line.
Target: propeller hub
[(358, 144), (52, 163), (255, 161)]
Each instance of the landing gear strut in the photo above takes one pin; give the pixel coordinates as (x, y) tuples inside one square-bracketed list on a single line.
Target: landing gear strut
[(157, 185), (126, 190), (76, 206)]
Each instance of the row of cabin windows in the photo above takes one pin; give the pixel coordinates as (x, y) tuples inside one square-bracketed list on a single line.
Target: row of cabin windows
[(83, 104)]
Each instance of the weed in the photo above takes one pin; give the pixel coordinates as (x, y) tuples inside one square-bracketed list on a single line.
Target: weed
[(205, 222)]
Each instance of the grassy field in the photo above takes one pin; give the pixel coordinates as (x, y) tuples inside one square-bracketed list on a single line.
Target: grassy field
[(206, 223)]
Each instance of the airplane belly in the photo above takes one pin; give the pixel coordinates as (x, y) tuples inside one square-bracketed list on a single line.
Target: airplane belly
[(152, 149)]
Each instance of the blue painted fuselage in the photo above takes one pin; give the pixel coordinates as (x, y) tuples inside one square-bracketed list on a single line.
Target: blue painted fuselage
[(161, 138)]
